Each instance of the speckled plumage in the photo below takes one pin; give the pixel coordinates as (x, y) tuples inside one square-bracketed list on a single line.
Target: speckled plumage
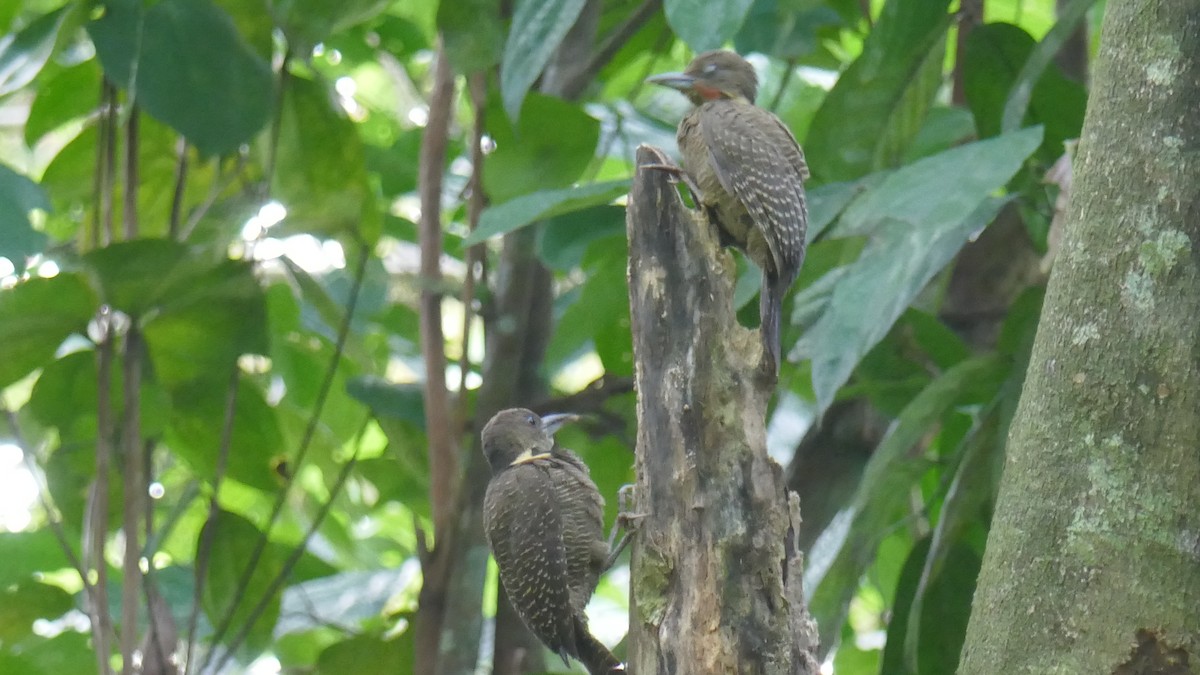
[(543, 517), (750, 172)]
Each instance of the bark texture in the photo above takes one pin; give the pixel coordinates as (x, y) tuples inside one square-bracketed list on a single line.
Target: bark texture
[(1093, 562), (716, 574)]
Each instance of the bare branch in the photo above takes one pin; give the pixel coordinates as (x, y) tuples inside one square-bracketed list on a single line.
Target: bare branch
[(443, 453)]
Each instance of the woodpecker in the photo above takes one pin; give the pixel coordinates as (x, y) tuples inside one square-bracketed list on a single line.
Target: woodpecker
[(749, 173), (543, 517)]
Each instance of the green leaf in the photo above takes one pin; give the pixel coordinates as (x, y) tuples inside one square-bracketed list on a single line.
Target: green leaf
[(995, 56), (785, 29), (877, 104), (705, 25), (472, 33), (525, 209), (23, 554), (847, 546), (321, 178), (936, 635), (368, 655), (255, 448), (36, 315), (233, 543), (67, 652), (1039, 60), (551, 145), (24, 53), (69, 95), (389, 399), (193, 70), (309, 22), (24, 603), (914, 236), (19, 196), (538, 27), (199, 334), (564, 239)]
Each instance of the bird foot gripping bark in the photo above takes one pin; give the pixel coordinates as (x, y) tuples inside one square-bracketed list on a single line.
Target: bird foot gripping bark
[(676, 173), (626, 520)]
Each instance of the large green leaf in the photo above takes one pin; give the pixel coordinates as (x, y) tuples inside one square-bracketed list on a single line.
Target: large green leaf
[(189, 67), (993, 60), (521, 211), (472, 32), (26, 602), (564, 239), (67, 652), (68, 95), (878, 103), (1070, 14), (25, 52), (538, 27), (19, 196), (785, 29), (917, 224), (847, 547), (234, 540), (938, 635), (36, 315), (256, 445), (706, 25), (309, 22), (23, 554), (550, 146), (199, 334), (367, 655), (320, 172)]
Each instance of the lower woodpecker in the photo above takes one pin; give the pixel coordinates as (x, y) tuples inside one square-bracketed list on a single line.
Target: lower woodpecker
[(543, 517)]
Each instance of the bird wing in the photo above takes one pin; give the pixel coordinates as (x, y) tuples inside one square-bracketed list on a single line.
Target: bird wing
[(758, 161), (525, 531), (582, 510)]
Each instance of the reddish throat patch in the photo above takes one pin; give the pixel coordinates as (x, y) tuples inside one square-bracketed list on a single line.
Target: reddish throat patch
[(708, 93)]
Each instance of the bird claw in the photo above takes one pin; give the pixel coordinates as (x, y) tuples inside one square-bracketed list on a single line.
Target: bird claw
[(676, 175), (626, 521)]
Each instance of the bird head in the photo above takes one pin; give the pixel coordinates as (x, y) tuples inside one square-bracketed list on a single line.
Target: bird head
[(711, 76), (516, 435)]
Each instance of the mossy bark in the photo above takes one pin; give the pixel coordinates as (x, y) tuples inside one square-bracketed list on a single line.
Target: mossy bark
[(1093, 562), (716, 575)]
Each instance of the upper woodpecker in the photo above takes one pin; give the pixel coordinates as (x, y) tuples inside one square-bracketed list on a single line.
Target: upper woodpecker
[(749, 172), (544, 522)]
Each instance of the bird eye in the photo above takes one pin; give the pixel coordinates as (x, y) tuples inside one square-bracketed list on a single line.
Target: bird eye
[(532, 420), (709, 69)]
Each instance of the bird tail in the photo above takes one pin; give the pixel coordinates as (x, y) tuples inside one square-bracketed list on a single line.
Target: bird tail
[(770, 307), (594, 655)]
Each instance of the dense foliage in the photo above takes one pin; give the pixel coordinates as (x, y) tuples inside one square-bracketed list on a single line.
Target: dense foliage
[(210, 309)]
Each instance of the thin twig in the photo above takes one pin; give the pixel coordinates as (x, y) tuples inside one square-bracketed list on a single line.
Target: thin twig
[(305, 441), (214, 192), (443, 455), (181, 171), (134, 489), (204, 550), (784, 81), (96, 531), (129, 210), (277, 120), (53, 516), (611, 45), (280, 579), (108, 152), (477, 88)]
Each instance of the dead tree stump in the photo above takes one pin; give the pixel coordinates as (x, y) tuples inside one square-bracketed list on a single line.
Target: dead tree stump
[(716, 576)]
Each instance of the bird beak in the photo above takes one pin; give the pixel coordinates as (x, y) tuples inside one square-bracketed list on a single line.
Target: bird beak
[(680, 81), (552, 423)]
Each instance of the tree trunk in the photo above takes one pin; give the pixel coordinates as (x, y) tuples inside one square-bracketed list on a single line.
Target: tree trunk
[(716, 575), (1093, 562)]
